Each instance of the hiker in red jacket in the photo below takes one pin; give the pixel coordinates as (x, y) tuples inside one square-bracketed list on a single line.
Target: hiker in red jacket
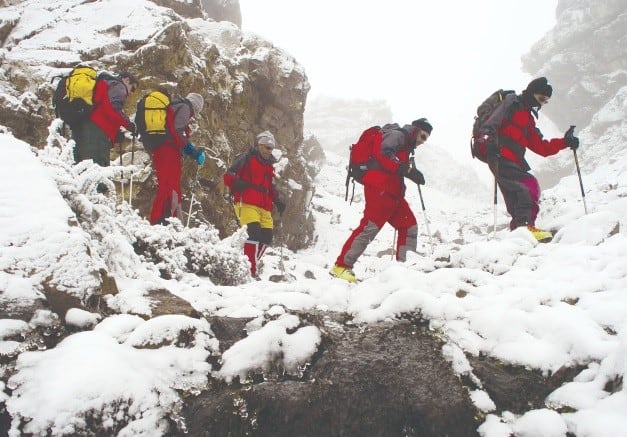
[(95, 137), (251, 180), (384, 190), (167, 158), (513, 136)]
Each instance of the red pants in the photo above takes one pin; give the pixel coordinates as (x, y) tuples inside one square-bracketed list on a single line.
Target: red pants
[(166, 161), (380, 208)]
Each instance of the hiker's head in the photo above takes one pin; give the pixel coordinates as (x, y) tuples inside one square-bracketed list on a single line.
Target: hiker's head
[(130, 81), (265, 143), (424, 130), (197, 102), (538, 92)]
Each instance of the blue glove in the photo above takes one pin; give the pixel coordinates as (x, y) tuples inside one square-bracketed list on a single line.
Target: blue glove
[(200, 157), (189, 149)]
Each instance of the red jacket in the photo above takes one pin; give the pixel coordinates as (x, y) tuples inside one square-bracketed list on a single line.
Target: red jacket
[(519, 133), (394, 150), (108, 113), (258, 174)]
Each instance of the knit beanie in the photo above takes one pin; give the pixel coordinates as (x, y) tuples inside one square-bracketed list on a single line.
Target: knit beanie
[(423, 123), (539, 86), (197, 102), (265, 137)]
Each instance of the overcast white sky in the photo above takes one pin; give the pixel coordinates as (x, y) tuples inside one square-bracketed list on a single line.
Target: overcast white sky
[(426, 58)]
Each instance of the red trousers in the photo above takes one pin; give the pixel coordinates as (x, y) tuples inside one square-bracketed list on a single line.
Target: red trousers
[(381, 208), (167, 163)]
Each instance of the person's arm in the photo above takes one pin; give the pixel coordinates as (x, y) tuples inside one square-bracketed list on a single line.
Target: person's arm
[(117, 94), (233, 174), (177, 123), (393, 140)]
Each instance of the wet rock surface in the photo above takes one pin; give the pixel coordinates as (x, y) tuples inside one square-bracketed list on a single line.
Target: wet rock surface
[(516, 388), (383, 380)]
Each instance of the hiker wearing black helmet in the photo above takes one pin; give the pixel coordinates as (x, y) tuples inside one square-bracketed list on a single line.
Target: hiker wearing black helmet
[(384, 191), (96, 136), (508, 137)]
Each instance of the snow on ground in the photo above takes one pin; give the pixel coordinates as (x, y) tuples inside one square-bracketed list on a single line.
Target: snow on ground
[(539, 305)]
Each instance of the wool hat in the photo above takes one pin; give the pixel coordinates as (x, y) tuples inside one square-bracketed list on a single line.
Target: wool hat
[(131, 77), (267, 138), (539, 86), (423, 123), (197, 102)]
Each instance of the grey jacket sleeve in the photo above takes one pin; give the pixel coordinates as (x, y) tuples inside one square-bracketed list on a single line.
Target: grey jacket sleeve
[(182, 117), (393, 141), (117, 96)]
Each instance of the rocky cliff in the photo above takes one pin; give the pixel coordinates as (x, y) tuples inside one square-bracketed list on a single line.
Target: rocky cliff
[(585, 58), (248, 85)]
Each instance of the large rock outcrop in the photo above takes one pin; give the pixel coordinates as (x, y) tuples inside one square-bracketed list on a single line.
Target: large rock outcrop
[(248, 85), (584, 56)]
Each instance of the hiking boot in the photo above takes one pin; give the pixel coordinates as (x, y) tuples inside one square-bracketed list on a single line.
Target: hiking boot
[(539, 234), (343, 273)]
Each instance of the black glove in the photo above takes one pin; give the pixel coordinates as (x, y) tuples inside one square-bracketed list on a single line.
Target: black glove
[(132, 129), (403, 169), (280, 205), (572, 142), (240, 184), (119, 137), (416, 176), (570, 139)]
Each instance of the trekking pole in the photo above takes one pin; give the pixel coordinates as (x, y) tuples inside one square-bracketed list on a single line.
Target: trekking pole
[(424, 212), (422, 203), (494, 209), (393, 245), (130, 194), (121, 172), (583, 193), (281, 265), (193, 188)]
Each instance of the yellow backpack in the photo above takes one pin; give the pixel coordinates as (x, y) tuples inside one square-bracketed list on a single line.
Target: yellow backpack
[(80, 84), (150, 117), (73, 97)]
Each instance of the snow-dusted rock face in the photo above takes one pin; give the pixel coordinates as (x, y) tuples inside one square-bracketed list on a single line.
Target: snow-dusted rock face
[(248, 84), (584, 56)]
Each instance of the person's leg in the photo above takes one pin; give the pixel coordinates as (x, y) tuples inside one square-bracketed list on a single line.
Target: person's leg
[(379, 207), (265, 233), (405, 223), (167, 203), (91, 143), (251, 217), (517, 187)]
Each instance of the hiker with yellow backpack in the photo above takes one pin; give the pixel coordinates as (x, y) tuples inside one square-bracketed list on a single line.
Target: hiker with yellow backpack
[(163, 127), (93, 106)]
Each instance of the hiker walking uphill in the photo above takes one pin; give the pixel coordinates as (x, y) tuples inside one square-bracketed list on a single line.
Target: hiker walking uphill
[(96, 135), (251, 180), (384, 191), (505, 137), (167, 148)]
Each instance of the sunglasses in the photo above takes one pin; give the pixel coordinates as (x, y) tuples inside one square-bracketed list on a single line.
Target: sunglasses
[(543, 100)]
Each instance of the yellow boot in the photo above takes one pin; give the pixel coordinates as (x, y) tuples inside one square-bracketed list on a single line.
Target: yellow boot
[(343, 273), (541, 235)]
